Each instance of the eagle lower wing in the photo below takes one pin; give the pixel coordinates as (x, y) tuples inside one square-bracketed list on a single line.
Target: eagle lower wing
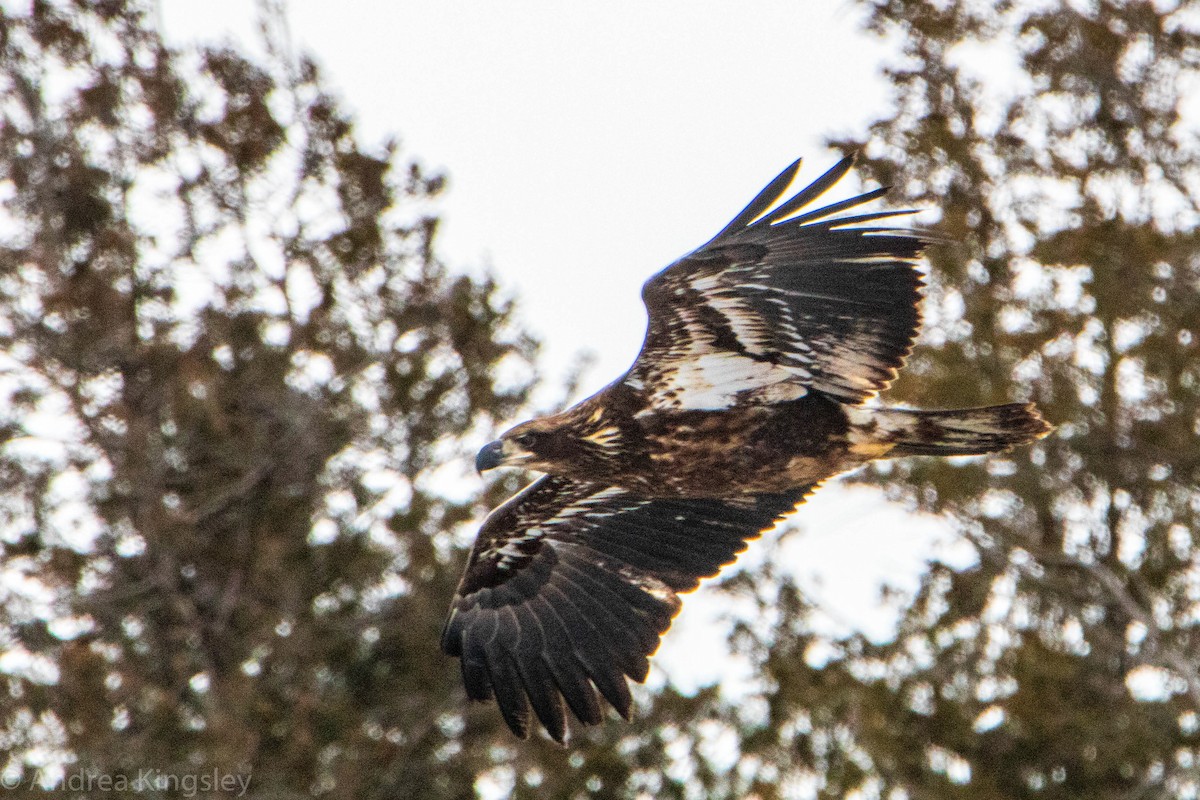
[(570, 585), (783, 302)]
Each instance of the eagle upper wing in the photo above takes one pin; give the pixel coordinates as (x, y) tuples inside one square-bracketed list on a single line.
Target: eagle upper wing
[(570, 585), (783, 302)]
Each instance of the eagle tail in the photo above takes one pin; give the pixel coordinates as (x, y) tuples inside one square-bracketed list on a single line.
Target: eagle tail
[(961, 432)]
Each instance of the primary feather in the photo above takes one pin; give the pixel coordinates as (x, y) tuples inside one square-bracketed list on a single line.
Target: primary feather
[(580, 596)]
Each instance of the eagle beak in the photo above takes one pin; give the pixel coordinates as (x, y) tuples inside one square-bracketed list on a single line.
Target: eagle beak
[(492, 455)]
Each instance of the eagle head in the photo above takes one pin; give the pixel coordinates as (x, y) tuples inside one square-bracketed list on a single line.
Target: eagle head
[(561, 444)]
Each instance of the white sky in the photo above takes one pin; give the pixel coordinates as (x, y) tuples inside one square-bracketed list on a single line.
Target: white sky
[(586, 150)]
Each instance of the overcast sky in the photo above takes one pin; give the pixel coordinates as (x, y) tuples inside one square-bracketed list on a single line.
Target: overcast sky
[(586, 150)]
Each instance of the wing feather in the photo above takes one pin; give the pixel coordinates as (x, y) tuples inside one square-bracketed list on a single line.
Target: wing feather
[(570, 586), (763, 200), (505, 678), (833, 208), (812, 191), (601, 658), (537, 681), (565, 667), (780, 303), (622, 631), (476, 678)]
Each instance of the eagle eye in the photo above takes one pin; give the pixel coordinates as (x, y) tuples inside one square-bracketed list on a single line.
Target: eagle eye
[(525, 440)]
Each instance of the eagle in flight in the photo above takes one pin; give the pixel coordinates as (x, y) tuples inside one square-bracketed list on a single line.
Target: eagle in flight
[(762, 347)]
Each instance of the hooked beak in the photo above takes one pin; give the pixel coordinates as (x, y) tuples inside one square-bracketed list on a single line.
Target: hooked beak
[(492, 455)]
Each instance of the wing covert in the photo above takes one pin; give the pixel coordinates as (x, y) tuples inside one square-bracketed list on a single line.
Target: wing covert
[(570, 585), (782, 302)]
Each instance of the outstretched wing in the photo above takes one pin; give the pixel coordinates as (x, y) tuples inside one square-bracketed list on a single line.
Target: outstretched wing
[(570, 585), (782, 302)]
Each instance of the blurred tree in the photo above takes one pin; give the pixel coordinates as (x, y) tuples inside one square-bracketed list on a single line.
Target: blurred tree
[(1062, 146), (233, 381)]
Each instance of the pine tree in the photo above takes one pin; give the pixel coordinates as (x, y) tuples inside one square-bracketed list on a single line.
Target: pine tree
[(235, 382), (1063, 664)]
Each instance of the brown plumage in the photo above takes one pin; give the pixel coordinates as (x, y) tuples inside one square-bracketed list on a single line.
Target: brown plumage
[(761, 347)]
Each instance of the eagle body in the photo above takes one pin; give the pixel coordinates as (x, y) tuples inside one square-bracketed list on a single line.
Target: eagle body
[(763, 348), (752, 450), (612, 439)]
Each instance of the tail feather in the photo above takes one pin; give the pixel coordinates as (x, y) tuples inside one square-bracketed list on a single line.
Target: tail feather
[(962, 432)]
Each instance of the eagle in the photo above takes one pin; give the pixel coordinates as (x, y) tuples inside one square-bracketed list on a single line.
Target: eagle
[(762, 348)]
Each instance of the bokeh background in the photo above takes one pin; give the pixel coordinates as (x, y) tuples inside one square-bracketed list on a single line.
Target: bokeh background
[(269, 275)]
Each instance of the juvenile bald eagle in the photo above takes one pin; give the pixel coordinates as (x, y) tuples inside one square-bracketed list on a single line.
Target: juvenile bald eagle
[(761, 348)]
